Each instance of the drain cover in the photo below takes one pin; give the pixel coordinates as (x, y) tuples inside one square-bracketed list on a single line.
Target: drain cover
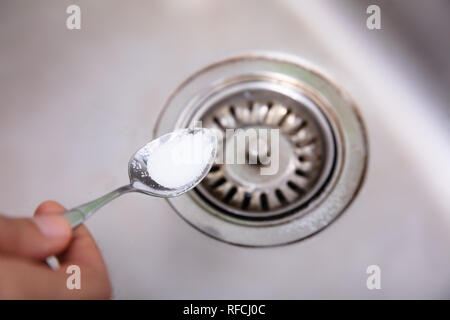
[(306, 156), (322, 149)]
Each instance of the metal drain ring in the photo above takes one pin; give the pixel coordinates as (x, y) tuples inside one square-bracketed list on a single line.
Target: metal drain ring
[(337, 181)]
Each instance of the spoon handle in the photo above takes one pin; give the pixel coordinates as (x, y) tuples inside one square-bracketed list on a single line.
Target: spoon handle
[(78, 215)]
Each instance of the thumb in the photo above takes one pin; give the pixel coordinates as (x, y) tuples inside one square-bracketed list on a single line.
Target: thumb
[(35, 238)]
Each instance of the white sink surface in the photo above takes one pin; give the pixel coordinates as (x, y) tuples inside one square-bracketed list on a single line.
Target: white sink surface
[(76, 104)]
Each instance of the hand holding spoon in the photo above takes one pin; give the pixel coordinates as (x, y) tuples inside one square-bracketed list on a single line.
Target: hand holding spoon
[(166, 167)]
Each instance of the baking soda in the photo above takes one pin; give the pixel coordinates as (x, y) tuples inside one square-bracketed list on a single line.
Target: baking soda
[(181, 161)]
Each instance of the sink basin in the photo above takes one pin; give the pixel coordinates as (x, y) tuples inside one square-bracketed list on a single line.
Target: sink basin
[(73, 98)]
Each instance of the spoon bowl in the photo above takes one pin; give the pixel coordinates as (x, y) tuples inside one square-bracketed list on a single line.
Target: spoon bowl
[(140, 178)]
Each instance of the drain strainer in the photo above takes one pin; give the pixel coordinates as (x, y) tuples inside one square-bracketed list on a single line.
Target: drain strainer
[(321, 149), (305, 141)]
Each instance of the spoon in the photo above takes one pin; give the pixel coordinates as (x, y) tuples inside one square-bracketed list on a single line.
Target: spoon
[(140, 179)]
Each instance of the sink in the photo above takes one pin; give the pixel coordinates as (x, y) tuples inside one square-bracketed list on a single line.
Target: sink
[(77, 103)]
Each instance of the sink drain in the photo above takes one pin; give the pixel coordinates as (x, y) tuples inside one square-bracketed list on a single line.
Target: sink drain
[(322, 149), (306, 144)]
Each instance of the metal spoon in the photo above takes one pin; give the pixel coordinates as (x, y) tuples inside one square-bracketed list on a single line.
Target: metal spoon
[(140, 180)]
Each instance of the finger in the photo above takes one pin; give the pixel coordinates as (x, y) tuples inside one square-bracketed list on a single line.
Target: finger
[(49, 208), (21, 279), (34, 238), (82, 251)]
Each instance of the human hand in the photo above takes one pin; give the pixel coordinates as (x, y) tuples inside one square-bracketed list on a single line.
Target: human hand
[(24, 245)]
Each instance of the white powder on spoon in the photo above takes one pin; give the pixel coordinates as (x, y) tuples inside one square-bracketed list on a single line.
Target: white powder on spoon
[(180, 161)]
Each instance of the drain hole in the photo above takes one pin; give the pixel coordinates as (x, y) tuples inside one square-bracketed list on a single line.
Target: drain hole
[(301, 173), (296, 130), (280, 196), (218, 123), (295, 187), (246, 201), (218, 183), (284, 118), (214, 168), (230, 194), (307, 143), (264, 202), (233, 113)]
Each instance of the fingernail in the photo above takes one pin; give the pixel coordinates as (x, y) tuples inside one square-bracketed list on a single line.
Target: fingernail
[(52, 226)]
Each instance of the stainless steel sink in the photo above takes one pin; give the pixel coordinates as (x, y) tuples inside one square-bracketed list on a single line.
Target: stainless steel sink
[(69, 96)]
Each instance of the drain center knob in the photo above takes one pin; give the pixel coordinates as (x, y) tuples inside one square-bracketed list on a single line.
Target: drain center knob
[(257, 150)]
